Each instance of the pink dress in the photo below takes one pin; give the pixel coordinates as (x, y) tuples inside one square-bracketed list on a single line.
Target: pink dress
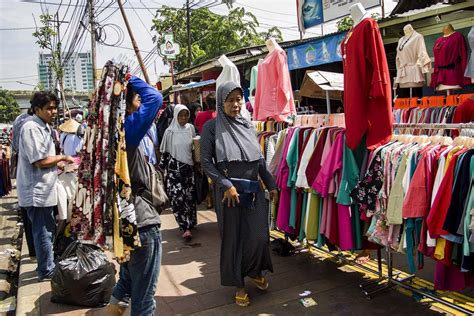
[(283, 173), (274, 94)]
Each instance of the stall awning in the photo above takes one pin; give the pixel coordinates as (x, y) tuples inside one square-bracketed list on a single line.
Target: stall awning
[(317, 84), (194, 85)]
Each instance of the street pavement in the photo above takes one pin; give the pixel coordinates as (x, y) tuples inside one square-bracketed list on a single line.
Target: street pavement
[(189, 283)]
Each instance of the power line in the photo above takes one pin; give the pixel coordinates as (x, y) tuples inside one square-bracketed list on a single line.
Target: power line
[(263, 10), (19, 77), (18, 28), (141, 21)]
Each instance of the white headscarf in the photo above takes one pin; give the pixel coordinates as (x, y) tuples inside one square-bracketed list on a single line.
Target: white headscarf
[(178, 140)]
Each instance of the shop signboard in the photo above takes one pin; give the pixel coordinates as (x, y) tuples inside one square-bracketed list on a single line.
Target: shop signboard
[(169, 48), (317, 52), (315, 12)]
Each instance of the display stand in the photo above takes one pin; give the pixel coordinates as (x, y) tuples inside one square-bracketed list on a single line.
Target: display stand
[(373, 288)]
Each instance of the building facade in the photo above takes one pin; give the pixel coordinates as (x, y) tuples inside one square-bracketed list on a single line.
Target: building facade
[(77, 72)]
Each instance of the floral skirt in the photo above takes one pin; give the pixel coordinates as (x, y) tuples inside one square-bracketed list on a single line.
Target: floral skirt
[(181, 192)]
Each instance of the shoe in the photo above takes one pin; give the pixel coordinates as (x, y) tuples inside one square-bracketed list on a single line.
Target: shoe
[(115, 310), (262, 283), (242, 300), (187, 235)]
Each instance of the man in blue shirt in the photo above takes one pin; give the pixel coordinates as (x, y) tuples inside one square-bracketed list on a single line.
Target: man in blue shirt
[(138, 276), (37, 177)]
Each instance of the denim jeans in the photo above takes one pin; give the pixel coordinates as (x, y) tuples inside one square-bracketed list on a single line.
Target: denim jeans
[(138, 277), (43, 226)]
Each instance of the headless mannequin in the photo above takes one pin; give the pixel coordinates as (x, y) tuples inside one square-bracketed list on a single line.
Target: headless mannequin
[(408, 30), (271, 44), (358, 13), (447, 31)]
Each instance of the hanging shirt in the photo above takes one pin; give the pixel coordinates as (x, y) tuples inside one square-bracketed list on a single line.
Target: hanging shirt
[(412, 59), (71, 144), (274, 95), (450, 54), (367, 90)]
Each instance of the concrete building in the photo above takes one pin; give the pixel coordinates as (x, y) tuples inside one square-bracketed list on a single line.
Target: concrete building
[(77, 72)]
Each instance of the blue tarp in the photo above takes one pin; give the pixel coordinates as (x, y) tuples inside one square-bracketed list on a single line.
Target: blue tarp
[(318, 52)]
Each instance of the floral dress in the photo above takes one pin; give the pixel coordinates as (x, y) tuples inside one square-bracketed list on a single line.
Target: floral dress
[(181, 190)]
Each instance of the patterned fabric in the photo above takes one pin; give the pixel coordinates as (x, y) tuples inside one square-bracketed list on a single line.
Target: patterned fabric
[(180, 188), (367, 190), (103, 180)]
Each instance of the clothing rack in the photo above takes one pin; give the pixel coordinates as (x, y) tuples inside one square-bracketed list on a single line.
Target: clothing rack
[(391, 278), (434, 125)]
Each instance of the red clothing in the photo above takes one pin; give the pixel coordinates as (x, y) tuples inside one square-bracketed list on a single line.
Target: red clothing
[(274, 95), (367, 91), (439, 209), (203, 117), (450, 61), (464, 113)]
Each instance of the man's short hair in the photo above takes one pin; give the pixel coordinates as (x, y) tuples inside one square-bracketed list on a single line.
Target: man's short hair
[(211, 101), (42, 99)]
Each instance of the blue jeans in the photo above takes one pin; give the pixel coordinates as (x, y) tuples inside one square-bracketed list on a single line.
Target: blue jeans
[(43, 226), (138, 277)]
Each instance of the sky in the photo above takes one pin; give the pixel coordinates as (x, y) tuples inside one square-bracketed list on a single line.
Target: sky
[(19, 52)]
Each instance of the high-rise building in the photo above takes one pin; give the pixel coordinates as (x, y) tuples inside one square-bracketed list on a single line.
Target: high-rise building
[(77, 72)]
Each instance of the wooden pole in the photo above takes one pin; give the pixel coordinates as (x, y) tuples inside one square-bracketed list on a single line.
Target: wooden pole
[(134, 43)]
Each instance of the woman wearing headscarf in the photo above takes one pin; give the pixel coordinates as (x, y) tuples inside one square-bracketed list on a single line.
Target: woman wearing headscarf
[(232, 158), (177, 159)]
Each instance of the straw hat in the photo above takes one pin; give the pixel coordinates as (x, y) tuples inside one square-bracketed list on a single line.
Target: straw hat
[(70, 126)]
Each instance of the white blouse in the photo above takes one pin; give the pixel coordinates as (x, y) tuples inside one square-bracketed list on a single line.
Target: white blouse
[(412, 59)]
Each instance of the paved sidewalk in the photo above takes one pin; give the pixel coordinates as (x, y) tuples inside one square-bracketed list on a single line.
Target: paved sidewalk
[(190, 284)]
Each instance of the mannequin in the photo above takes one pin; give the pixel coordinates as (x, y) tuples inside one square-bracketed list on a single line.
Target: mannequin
[(448, 31), (367, 94), (408, 30), (271, 44), (412, 59), (358, 13)]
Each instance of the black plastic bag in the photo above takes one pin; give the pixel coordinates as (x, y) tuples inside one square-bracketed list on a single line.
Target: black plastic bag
[(282, 247), (83, 276), (202, 187)]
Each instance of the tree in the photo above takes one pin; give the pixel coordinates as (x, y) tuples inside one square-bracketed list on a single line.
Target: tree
[(47, 38), (345, 24), (9, 108), (211, 34)]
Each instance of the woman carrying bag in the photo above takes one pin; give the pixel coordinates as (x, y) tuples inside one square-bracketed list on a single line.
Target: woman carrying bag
[(177, 160), (232, 158)]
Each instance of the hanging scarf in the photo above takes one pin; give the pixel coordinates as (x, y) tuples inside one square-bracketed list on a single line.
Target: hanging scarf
[(178, 140), (236, 138)]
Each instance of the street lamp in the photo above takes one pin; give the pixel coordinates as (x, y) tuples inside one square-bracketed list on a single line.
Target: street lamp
[(201, 4)]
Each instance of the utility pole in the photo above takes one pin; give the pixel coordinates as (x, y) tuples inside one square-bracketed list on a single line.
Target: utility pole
[(93, 43), (188, 29), (134, 44), (59, 66)]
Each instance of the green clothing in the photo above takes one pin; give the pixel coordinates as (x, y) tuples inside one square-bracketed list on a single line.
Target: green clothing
[(395, 201), (312, 216), (292, 161)]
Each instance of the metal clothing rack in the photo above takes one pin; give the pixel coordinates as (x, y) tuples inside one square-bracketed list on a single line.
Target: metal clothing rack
[(434, 125), (373, 287)]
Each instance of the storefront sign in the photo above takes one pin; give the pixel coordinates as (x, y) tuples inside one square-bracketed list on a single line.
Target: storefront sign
[(315, 12), (318, 52), (335, 9), (169, 48)]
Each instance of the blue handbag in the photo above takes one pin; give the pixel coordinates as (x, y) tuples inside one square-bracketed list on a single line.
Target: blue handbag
[(247, 190)]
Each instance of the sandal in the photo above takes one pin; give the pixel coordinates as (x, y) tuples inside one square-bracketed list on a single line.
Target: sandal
[(187, 235), (262, 283), (242, 301)]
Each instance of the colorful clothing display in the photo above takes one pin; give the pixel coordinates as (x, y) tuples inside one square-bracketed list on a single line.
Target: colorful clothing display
[(102, 207), (274, 94), (450, 61), (367, 100)]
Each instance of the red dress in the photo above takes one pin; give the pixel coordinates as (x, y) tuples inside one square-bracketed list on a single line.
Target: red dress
[(367, 91), (450, 61)]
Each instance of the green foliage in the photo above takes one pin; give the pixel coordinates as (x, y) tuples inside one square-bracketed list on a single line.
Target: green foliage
[(46, 39), (211, 34), (346, 22), (9, 108)]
